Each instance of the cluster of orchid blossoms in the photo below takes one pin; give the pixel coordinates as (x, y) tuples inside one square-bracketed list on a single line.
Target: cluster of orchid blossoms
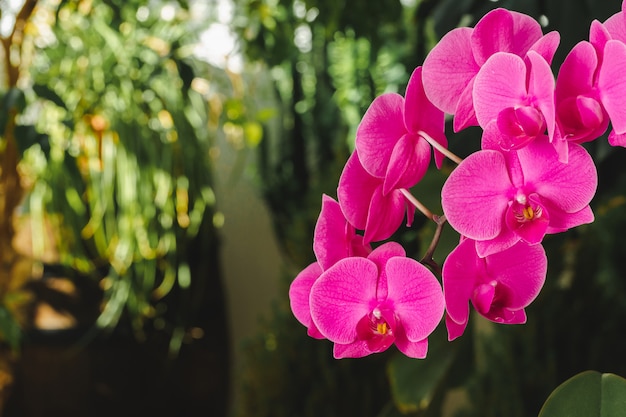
[(530, 178)]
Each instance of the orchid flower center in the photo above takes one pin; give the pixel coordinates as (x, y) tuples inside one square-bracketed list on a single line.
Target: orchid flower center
[(527, 217), (377, 329), (524, 212)]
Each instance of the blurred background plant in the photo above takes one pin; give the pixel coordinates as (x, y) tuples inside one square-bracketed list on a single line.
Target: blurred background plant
[(109, 122)]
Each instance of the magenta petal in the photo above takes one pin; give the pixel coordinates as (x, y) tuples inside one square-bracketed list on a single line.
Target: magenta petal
[(541, 89), (503, 241), (547, 45), (381, 127), (448, 69), (416, 296), (419, 112), (522, 269), (408, 164), (455, 330), (612, 84), (616, 26), (332, 238), (356, 349), (493, 33), (417, 349), (577, 71), (355, 191), (385, 215), (598, 36), (299, 292), (507, 316), (342, 296), (617, 140), (561, 221), (569, 186), (475, 195), (500, 83), (459, 278), (483, 297), (380, 256), (465, 115)]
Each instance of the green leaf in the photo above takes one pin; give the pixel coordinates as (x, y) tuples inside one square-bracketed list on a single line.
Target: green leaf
[(12, 102), (27, 136), (9, 328), (414, 382), (47, 93), (588, 394)]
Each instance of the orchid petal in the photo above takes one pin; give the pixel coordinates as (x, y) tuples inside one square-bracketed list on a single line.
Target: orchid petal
[(408, 163), (493, 33), (483, 297), (455, 330), (616, 26), (299, 292), (503, 241), (355, 190), (333, 236), (500, 83), (465, 115), (541, 89), (448, 69), (342, 296), (577, 71), (561, 221), (357, 349), (416, 296), (459, 278), (612, 84), (522, 268), (617, 140), (474, 197), (411, 349), (547, 45), (571, 186), (385, 215), (419, 112), (380, 256), (381, 127), (599, 35)]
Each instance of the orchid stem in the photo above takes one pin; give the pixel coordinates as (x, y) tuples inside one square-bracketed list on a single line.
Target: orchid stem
[(418, 204), (440, 147), (427, 259), (440, 221)]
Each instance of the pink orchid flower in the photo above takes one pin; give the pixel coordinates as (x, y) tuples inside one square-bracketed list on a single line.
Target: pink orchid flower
[(518, 95), (609, 40), (500, 286), (365, 204), (451, 66), (390, 138), (364, 305), (590, 84), (334, 239), (499, 198)]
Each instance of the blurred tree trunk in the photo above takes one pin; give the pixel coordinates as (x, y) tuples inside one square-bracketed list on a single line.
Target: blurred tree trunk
[(11, 189)]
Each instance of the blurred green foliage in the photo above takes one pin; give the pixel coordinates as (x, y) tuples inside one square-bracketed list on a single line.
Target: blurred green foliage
[(115, 129), (329, 60)]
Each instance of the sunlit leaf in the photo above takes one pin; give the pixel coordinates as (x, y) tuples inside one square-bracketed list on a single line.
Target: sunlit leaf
[(253, 132)]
